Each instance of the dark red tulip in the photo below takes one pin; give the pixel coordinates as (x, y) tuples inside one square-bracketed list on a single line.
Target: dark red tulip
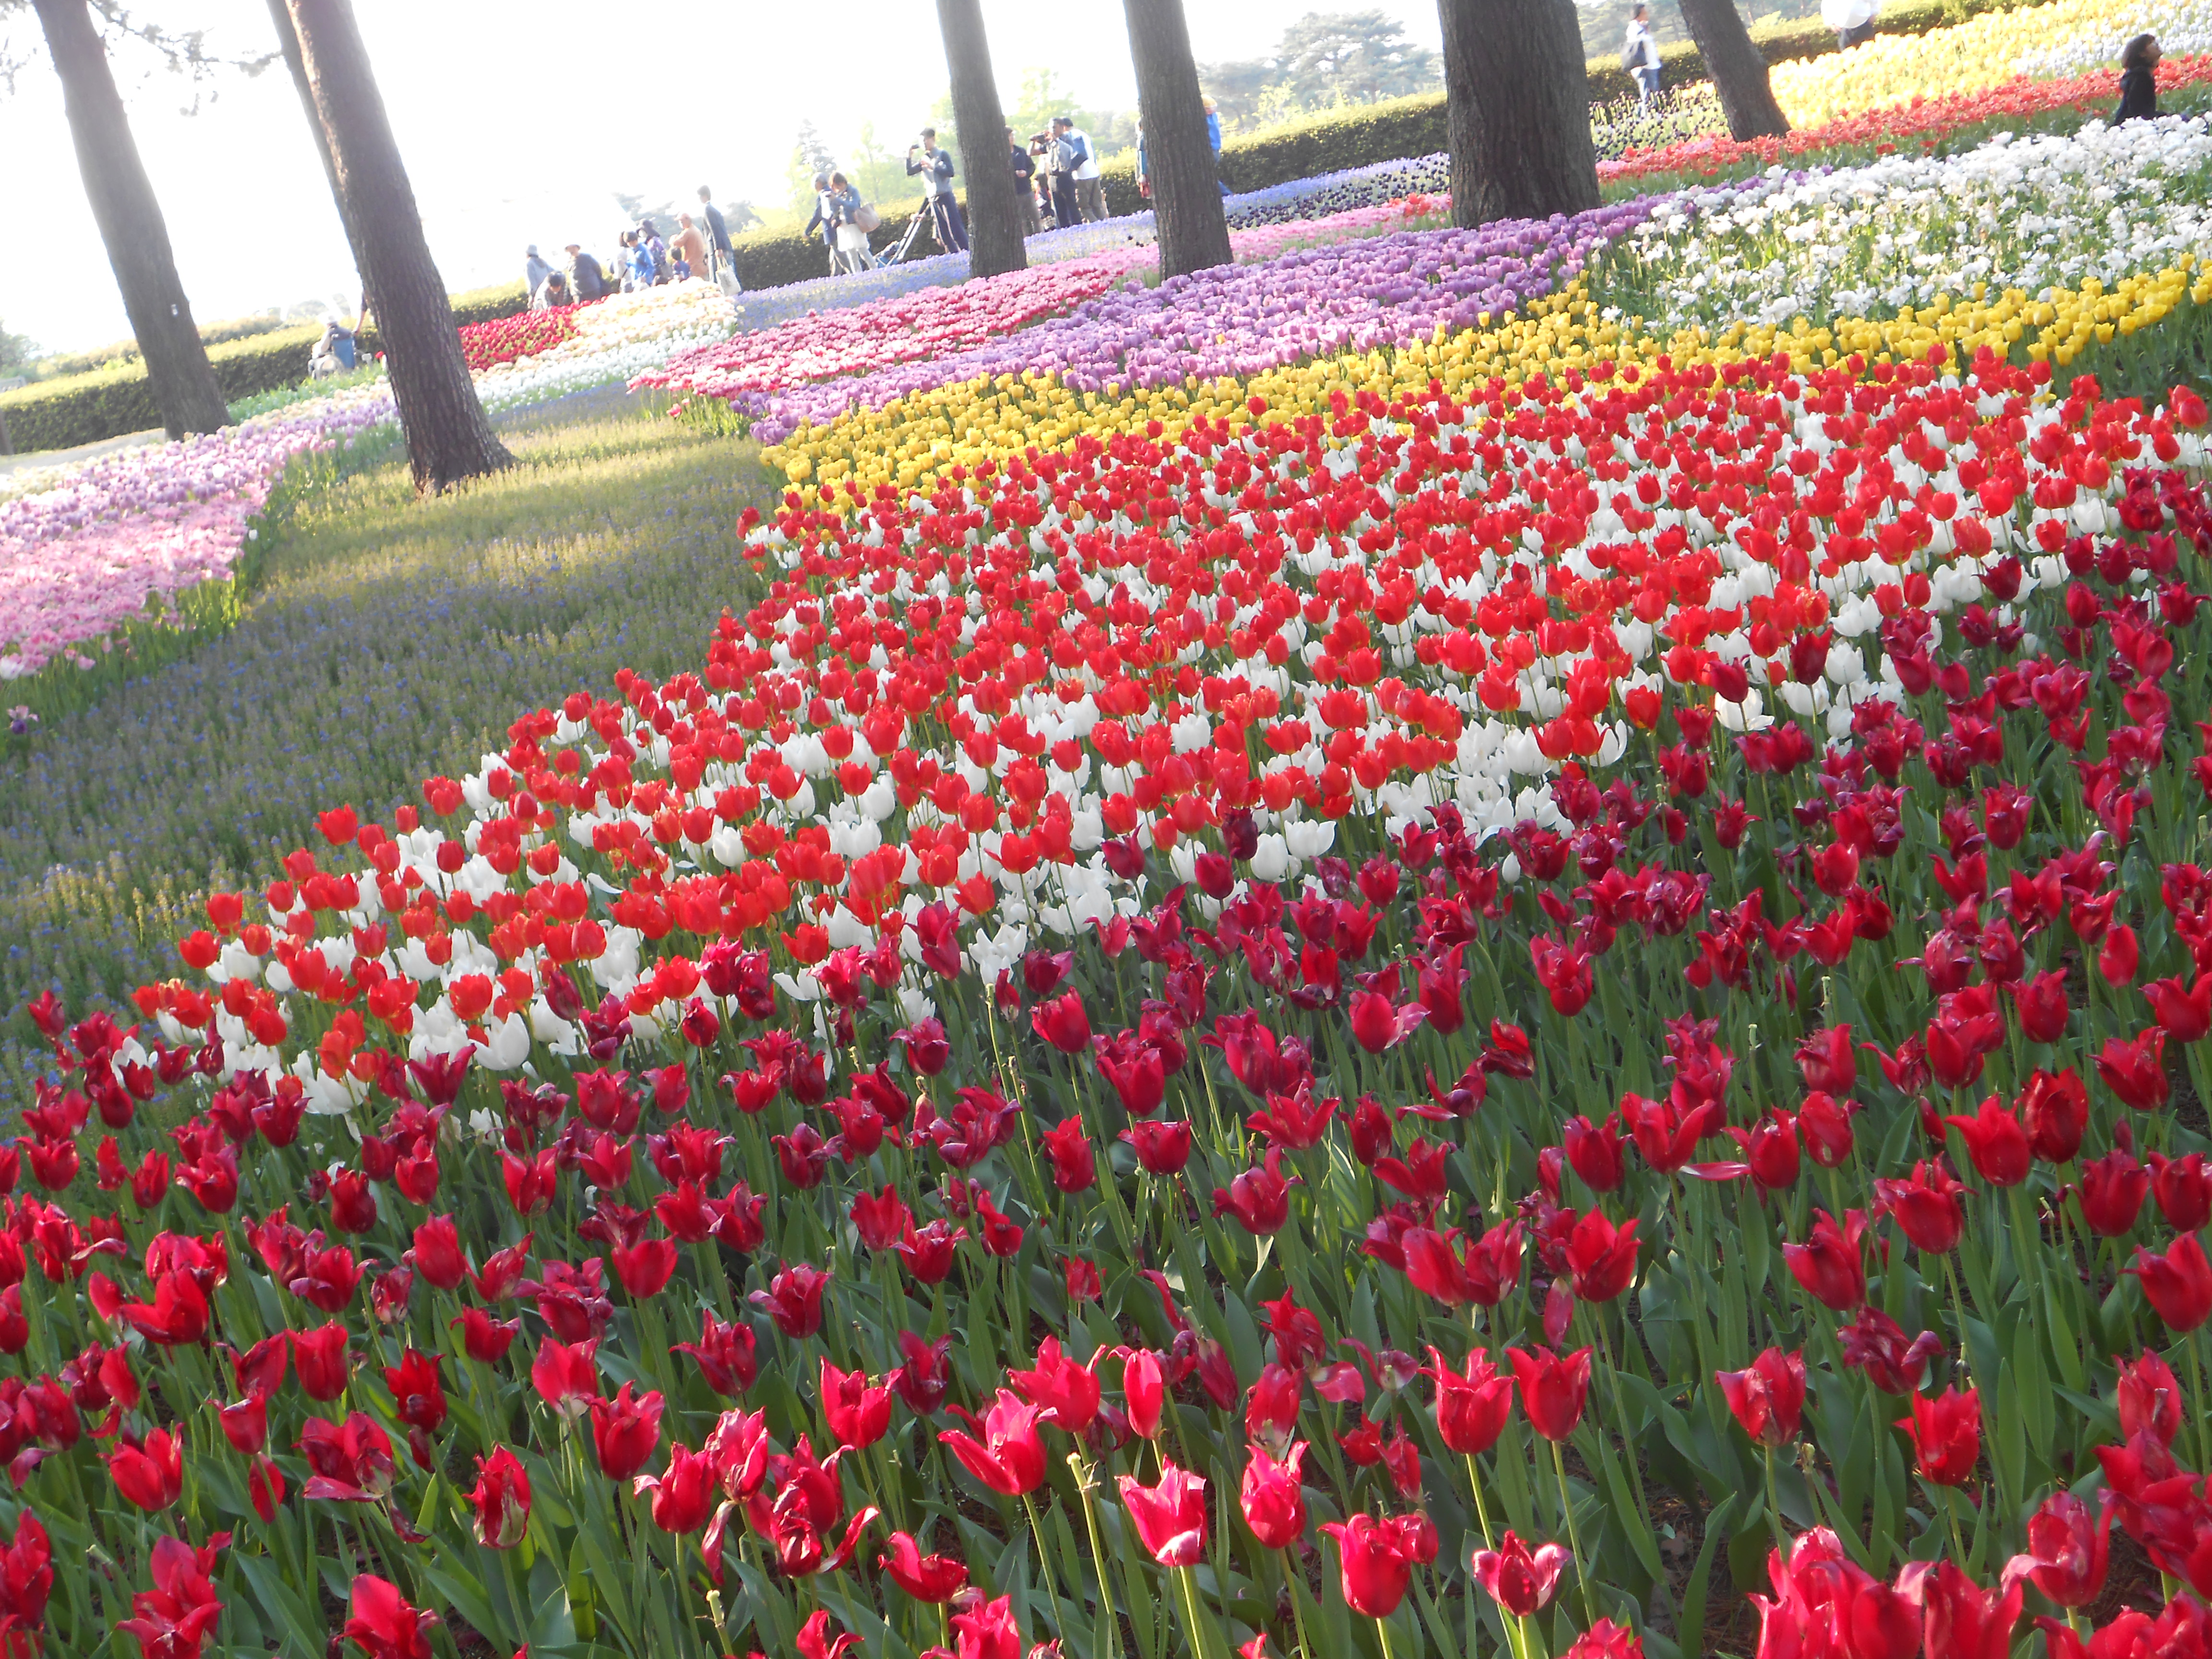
[(928, 1252), (1601, 1257), (1552, 1389), (1826, 1124), (2054, 1109), (484, 1339), (1063, 1022), (1074, 1169), (1593, 1152), (1926, 1206), (1009, 1458), (1259, 1197), (881, 1218), (2182, 1188), (1162, 1148), (321, 1360), (2111, 1193), (2042, 1005), (793, 1299), (2118, 955), (1770, 1150), (1377, 1023), (437, 1253), (149, 1474), (933, 1578), (625, 1429), (1521, 1581), (2135, 1071), (1377, 1563), (1829, 1264), (725, 1354), (418, 1393), (2184, 1013), (2067, 1549)]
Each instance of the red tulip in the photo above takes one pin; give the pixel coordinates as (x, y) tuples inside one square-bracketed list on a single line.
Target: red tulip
[(1063, 1022), (150, 1474), (173, 1618), (2179, 1282), (1826, 1124), (2183, 1189), (683, 1493), (1606, 1640), (928, 1253), (437, 1255), (418, 1393), (1272, 1497), (1010, 1457), (1074, 1168), (645, 1266), (1996, 1143), (502, 1500), (1926, 1206), (245, 1423), (566, 1375), (858, 1414), (322, 1361), (1666, 1133), (881, 1218), (937, 1578), (1171, 1516), (1144, 1392), (351, 1461), (1377, 1563), (2184, 1014), (2111, 1193), (383, 1625), (1770, 1150), (1828, 1264), (485, 1339), (1259, 1197), (625, 1431), (1519, 1581), (1472, 1406), (1961, 1620), (2066, 1549), (987, 1631), (815, 1642), (1593, 1152), (2148, 1398), (1552, 1389), (1163, 1148), (2042, 1005), (2054, 1109), (792, 1300), (2135, 1071), (1601, 1257), (1769, 1397), (1875, 1344), (2118, 955), (1377, 1023), (1946, 1435), (1065, 1394)]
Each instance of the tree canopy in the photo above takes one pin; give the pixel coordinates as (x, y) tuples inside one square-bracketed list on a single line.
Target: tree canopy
[(1323, 60)]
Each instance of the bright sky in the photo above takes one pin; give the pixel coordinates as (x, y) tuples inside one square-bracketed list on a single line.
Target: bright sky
[(516, 123)]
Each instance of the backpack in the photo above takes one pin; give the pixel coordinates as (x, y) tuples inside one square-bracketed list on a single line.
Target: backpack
[(1631, 55)]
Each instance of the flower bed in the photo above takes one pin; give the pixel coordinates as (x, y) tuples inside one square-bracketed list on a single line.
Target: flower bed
[(1921, 123), (503, 339), (615, 339), (123, 538), (1517, 878)]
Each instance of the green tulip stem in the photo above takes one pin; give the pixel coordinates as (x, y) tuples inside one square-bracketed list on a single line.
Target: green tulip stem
[(1574, 1541), (1774, 1505), (1481, 1509), (1297, 1612), (1044, 1566), (1952, 1499), (1383, 1629), (1198, 1641), (1100, 1641), (2196, 1396)]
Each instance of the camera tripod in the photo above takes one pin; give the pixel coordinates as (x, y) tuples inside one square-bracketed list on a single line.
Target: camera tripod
[(922, 214)]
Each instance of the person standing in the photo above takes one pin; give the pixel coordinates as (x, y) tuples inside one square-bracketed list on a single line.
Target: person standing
[(584, 281), (936, 169), (825, 218), (719, 246), (1639, 54), (650, 238), (1060, 167), (689, 245), (853, 250), (1214, 137), (1852, 21), (1024, 174), (2138, 81), (535, 271), (1089, 188)]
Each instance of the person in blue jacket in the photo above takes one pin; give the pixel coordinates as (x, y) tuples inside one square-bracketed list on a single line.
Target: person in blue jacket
[(935, 167)]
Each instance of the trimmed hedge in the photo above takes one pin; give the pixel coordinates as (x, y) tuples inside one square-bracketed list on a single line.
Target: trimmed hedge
[(777, 258), (86, 409)]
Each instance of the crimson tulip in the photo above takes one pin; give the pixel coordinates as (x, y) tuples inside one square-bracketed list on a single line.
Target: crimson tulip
[(1768, 1397), (1259, 1197), (1272, 1497), (1519, 1580), (1946, 1435), (1601, 1257), (792, 1300), (2135, 1071), (1009, 1458), (625, 1429), (502, 1500), (1065, 1394), (683, 1493), (935, 1578), (2054, 1109), (1170, 1516), (1996, 1143), (2111, 1193), (1075, 1167), (322, 1360), (150, 1474), (1553, 1388), (2067, 1549), (437, 1253), (2147, 1398), (383, 1626), (172, 1621), (858, 1413), (1063, 1022), (566, 1375), (2182, 1188), (2178, 1284), (1593, 1152), (485, 1339), (1829, 1264), (1375, 1563), (1961, 1620), (1163, 1148), (1471, 1405), (1144, 1392)]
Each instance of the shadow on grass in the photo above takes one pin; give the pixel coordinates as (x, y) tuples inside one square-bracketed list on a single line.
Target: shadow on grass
[(392, 639)]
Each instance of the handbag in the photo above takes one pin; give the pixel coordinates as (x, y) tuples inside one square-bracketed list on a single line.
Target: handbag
[(867, 219)]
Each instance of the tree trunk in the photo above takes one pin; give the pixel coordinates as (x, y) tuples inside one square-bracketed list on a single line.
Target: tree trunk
[(998, 219), (448, 438), (1178, 155), (130, 224), (287, 42), (1516, 110), (1738, 69)]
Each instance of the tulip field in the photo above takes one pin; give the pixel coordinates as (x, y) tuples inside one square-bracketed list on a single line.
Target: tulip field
[(1448, 943)]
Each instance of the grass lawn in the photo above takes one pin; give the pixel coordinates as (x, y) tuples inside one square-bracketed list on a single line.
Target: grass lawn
[(392, 639)]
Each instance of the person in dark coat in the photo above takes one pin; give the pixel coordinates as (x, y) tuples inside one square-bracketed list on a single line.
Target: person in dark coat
[(2138, 81), (585, 279)]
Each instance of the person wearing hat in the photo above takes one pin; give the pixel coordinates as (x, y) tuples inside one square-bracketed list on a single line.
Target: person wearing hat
[(935, 167), (584, 281), (535, 271), (1060, 165)]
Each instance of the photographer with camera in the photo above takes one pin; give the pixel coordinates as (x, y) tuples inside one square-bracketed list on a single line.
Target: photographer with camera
[(935, 167), (1061, 162)]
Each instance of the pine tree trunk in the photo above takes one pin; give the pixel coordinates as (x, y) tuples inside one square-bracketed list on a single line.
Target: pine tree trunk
[(998, 219), (1178, 155), (448, 437), (1738, 69), (1516, 110), (130, 224)]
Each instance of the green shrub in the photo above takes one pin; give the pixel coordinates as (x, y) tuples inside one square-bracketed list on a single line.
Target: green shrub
[(777, 258), (117, 398)]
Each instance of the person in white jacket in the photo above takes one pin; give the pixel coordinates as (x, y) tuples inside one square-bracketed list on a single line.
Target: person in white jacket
[(1089, 188)]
